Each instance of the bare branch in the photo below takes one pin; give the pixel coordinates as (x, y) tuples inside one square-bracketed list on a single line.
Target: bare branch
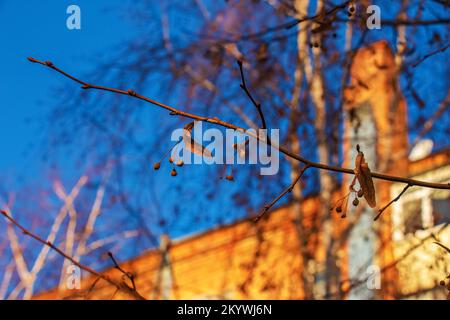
[(432, 120), (430, 55), (282, 194), (392, 201), (249, 95), (217, 121), (119, 285), (442, 246), (126, 273)]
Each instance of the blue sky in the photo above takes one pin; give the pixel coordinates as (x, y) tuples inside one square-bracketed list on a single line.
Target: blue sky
[(38, 29)]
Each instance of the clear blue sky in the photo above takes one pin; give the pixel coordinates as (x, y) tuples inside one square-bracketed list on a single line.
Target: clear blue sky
[(38, 29)]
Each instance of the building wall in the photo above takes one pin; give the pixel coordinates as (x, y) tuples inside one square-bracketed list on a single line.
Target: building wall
[(422, 264), (262, 261), (244, 260), (376, 118)]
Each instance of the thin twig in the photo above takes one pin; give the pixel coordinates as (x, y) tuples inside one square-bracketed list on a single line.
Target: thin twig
[(430, 55), (281, 195), (442, 246), (91, 288), (249, 95), (120, 286), (428, 125), (126, 273), (216, 121), (392, 201)]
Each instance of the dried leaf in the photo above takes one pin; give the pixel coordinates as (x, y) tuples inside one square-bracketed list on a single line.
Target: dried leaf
[(198, 149), (364, 176), (192, 145)]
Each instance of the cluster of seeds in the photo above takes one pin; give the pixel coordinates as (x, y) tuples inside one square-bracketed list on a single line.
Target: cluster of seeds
[(341, 205)]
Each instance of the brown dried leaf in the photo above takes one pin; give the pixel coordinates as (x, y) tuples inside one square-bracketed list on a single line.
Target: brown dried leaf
[(198, 149), (366, 183), (192, 145), (364, 176), (359, 160)]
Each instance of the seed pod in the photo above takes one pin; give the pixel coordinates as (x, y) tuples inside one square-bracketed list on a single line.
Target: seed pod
[(355, 202), (157, 166), (229, 178), (364, 176), (360, 193), (171, 160), (442, 283), (173, 173), (342, 205)]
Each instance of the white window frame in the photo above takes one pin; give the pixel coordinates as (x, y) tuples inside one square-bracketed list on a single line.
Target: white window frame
[(442, 175)]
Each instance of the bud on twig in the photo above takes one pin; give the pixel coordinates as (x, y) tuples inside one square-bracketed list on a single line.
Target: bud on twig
[(229, 178)]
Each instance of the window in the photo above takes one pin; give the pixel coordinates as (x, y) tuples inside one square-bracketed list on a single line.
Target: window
[(412, 215), (441, 210)]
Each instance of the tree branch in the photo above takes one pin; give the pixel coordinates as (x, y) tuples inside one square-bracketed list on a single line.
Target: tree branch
[(249, 95), (430, 55), (391, 202), (119, 285), (217, 121), (126, 273), (282, 194)]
